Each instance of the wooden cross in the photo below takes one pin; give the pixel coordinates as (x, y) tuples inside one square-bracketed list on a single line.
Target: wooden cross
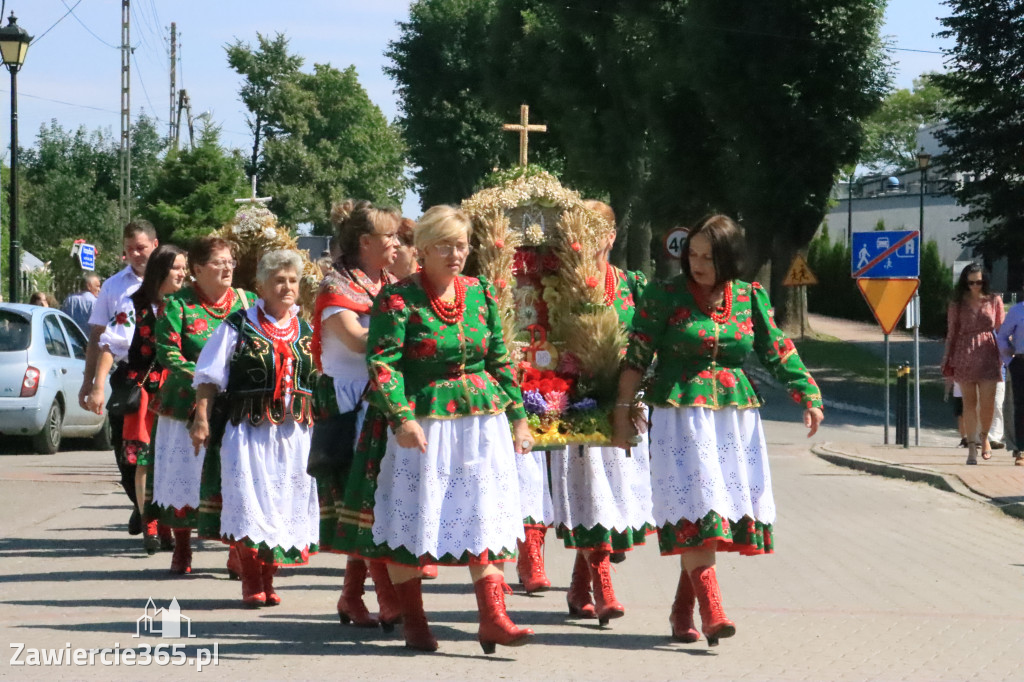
[(253, 199), (524, 129)]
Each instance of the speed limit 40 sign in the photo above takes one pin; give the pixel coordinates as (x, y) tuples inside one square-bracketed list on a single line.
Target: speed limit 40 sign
[(674, 241)]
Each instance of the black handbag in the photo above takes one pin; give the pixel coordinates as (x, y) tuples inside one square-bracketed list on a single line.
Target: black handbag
[(125, 394), (333, 444)]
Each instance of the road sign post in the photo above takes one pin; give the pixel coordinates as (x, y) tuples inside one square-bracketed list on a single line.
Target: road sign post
[(887, 267), (800, 275)]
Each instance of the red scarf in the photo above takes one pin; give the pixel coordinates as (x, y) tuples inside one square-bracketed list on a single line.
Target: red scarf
[(284, 357), (347, 288)]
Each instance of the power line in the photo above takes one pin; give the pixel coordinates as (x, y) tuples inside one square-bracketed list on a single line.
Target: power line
[(40, 36), (143, 84), (82, 23)]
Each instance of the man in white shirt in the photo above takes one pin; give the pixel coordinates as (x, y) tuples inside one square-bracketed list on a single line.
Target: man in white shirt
[(114, 312)]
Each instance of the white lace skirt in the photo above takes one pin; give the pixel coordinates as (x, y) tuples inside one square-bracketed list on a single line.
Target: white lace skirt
[(459, 496), (705, 460), (535, 488), (602, 487), (176, 468), (267, 494)]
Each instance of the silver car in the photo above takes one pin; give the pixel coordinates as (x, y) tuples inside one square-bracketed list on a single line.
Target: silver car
[(42, 362)]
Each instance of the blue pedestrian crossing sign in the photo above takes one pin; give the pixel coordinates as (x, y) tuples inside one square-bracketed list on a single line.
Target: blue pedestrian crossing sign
[(886, 255)]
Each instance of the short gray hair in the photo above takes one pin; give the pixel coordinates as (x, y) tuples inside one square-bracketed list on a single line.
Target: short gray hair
[(275, 261)]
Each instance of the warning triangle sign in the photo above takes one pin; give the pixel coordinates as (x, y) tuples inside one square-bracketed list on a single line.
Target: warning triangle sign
[(888, 298), (799, 274)]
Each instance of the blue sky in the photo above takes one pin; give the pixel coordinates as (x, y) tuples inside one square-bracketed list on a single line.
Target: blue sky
[(72, 73)]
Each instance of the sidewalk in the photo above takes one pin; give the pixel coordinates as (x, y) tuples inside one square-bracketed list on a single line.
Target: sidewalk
[(996, 481)]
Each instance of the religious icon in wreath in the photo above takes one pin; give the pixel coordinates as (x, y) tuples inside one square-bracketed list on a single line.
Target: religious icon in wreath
[(536, 243)]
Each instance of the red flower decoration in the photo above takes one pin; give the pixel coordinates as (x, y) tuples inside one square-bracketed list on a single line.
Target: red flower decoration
[(197, 326), (415, 318), (726, 378), (174, 338), (145, 331), (680, 315), (423, 348), (575, 246), (396, 302), (154, 376), (383, 377), (706, 374), (499, 244), (501, 283), (700, 400), (120, 318), (477, 380), (452, 407), (591, 282), (146, 350)]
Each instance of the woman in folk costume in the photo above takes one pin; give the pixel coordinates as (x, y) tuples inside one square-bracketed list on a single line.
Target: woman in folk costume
[(439, 486), (709, 463), (259, 366), (190, 318), (165, 273), (368, 242), (602, 495)]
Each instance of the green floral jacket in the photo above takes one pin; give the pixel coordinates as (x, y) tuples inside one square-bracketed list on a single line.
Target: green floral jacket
[(700, 362), (629, 287), (181, 333), (422, 367)]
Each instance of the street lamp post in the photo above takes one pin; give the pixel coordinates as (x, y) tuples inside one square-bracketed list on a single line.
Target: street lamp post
[(14, 42), (923, 159)]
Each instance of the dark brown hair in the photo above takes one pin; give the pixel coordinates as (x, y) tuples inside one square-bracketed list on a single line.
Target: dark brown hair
[(203, 248), (727, 247), (962, 287), (139, 227), (157, 268), (352, 219)]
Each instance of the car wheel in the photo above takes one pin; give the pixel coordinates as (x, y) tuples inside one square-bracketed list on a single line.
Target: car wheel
[(102, 440), (47, 441)]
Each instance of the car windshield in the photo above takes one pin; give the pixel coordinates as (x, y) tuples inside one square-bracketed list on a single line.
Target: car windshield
[(14, 331)]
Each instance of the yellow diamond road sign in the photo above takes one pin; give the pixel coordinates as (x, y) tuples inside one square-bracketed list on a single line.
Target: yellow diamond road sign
[(799, 274)]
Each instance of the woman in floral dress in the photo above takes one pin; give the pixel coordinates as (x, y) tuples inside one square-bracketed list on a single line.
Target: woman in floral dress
[(259, 366), (190, 318), (709, 463), (602, 495), (971, 358), (367, 236), (441, 488), (165, 273)]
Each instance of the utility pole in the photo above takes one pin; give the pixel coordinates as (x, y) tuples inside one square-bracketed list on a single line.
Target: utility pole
[(174, 87), (184, 104), (126, 114)]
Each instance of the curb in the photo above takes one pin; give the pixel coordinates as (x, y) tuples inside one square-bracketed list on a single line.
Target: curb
[(948, 482), (763, 377)]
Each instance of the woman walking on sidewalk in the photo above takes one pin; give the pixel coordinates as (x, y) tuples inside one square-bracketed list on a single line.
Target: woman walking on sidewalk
[(439, 486), (972, 357), (709, 463)]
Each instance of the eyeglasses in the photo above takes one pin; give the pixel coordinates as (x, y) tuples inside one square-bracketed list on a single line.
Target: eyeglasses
[(445, 250), (222, 264), (975, 282)]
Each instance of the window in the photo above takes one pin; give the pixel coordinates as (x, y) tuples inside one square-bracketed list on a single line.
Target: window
[(15, 331), (76, 337), (54, 337)]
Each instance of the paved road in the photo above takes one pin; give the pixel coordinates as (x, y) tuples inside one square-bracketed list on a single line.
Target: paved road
[(873, 579)]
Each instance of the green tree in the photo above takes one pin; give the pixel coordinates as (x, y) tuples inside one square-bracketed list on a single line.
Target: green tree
[(194, 191), (454, 135), (984, 134), (334, 142), (890, 143), (264, 69)]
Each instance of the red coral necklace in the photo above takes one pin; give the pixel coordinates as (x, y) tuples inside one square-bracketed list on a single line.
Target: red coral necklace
[(609, 284), (286, 334), (221, 308), (449, 312), (719, 314)]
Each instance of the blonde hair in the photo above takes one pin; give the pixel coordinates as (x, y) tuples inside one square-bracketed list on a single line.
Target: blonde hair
[(441, 223), (602, 209)]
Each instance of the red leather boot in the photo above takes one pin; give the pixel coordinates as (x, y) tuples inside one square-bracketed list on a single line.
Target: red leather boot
[(166, 537), (253, 595), (234, 564), (607, 606), (414, 620), (387, 600), (150, 538), (578, 596), (267, 573), (351, 608), (429, 572), (712, 615), (681, 617), (181, 560), (530, 566), (495, 625)]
